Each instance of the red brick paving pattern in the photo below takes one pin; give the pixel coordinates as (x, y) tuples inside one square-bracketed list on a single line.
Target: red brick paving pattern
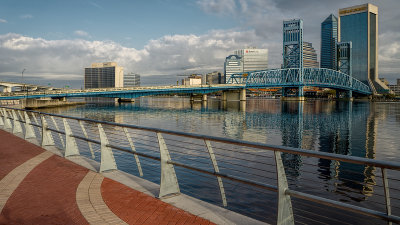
[(46, 195), (135, 207), (14, 152)]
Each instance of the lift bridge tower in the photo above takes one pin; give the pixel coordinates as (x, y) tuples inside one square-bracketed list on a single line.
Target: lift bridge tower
[(293, 53)]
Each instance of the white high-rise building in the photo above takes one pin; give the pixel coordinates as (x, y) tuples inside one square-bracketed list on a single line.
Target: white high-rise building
[(253, 58), (233, 65)]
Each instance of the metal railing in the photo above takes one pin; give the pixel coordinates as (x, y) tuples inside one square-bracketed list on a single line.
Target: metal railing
[(175, 151), (95, 90)]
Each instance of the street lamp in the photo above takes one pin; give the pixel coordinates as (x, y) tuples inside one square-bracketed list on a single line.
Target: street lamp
[(22, 81)]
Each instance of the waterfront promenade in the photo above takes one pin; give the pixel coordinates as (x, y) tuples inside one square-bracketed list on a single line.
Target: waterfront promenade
[(39, 187)]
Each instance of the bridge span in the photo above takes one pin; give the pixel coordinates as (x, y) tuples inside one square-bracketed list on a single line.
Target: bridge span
[(299, 78), (287, 79), (128, 92)]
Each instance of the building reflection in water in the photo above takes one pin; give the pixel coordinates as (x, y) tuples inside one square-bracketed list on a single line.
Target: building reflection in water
[(330, 126), (345, 131)]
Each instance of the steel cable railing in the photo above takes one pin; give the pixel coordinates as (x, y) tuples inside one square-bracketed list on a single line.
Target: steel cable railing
[(64, 132)]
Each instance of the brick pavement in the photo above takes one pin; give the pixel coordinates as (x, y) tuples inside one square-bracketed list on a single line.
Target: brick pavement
[(46, 189)]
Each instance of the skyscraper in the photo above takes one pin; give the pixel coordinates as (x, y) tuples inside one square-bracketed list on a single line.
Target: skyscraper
[(233, 64), (253, 58), (310, 58), (102, 75), (359, 24), (329, 37)]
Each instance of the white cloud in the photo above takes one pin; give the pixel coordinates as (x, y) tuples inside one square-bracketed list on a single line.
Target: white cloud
[(81, 33), (177, 54), (3, 21), (26, 16), (218, 6), (171, 54)]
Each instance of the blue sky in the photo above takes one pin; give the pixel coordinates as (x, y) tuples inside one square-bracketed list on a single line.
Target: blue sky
[(132, 23), (55, 40)]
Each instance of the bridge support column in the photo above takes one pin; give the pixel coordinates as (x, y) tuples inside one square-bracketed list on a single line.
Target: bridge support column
[(344, 95), (284, 92), (224, 97), (298, 95), (191, 97), (242, 96), (234, 95), (204, 97)]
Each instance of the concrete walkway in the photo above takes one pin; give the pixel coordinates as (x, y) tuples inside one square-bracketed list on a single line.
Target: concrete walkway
[(39, 187)]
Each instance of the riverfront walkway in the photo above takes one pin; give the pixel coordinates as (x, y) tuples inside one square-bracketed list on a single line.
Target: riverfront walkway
[(40, 187)]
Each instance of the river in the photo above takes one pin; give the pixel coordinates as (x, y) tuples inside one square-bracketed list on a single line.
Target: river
[(359, 128)]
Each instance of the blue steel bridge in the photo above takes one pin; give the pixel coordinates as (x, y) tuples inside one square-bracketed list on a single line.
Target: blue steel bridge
[(286, 78), (294, 77)]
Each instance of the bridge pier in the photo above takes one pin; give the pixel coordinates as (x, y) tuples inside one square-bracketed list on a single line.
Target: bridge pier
[(298, 95), (234, 95), (194, 96), (344, 95)]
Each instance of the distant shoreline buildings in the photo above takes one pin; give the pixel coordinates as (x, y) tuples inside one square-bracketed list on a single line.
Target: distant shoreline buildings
[(109, 74), (245, 60)]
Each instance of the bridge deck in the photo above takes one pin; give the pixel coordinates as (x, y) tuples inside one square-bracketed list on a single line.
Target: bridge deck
[(40, 187)]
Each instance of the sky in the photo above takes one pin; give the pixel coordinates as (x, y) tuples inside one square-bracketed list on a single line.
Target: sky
[(54, 40)]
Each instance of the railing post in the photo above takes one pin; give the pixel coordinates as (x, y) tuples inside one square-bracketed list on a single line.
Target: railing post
[(128, 136), (17, 125), (29, 132), (285, 211), (387, 195), (35, 119), (20, 115), (169, 183), (86, 135), (47, 139), (107, 157), (7, 122), (216, 169), (59, 135), (1, 117), (71, 148)]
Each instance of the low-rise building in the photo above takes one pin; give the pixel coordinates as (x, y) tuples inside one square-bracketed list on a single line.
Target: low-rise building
[(395, 88), (193, 79), (131, 80), (214, 78)]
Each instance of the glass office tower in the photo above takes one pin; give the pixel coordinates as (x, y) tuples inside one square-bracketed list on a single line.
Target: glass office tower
[(329, 37), (359, 24)]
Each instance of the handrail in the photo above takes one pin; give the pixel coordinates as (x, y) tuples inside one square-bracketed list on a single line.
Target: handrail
[(297, 151), (169, 183)]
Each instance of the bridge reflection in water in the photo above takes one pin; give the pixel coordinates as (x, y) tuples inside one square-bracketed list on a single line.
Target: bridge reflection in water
[(337, 127)]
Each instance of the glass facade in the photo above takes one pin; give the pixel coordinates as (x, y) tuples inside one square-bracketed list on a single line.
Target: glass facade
[(99, 77), (329, 37), (372, 45), (354, 28)]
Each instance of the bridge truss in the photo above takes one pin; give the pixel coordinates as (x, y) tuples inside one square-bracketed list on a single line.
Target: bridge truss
[(291, 77)]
